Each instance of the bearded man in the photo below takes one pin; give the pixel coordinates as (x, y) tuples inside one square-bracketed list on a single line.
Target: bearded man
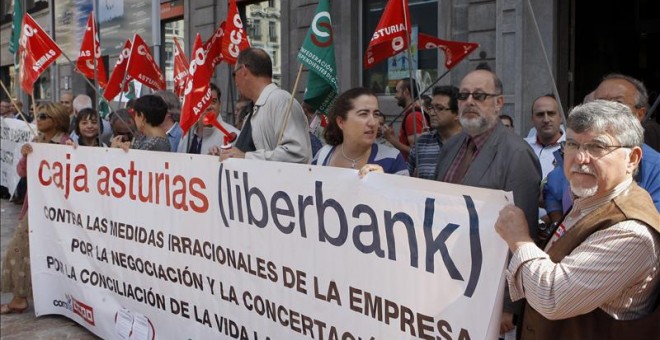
[(597, 278)]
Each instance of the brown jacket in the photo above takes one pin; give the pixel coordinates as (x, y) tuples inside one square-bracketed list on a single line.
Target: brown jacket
[(632, 204)]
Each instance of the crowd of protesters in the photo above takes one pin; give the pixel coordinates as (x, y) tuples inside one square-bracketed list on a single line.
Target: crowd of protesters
[(584, 233)]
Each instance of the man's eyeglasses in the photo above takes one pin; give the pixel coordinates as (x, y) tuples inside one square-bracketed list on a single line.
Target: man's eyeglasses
[(233, 73), (478, 96), (439, 108), (593, 149), (43, 116)]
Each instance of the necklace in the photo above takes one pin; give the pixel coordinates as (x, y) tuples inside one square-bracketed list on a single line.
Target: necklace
[(353, 161)]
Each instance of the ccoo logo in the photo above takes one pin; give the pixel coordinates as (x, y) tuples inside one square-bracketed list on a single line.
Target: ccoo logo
[(28, 32), (322, 29)]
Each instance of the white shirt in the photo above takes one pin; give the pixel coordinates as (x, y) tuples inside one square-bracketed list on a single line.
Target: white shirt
[(545, 153)]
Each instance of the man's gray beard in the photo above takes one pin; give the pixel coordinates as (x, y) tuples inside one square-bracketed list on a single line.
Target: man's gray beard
[(474, 126), (584, 192)]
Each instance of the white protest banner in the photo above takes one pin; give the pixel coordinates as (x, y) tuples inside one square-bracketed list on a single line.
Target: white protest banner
[(14, 134), (159, 245)]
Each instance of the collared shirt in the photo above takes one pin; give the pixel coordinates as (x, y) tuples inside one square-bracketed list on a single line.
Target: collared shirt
[(174, 136), (479, 141), (612, 269), (545, 152), (427, 148)]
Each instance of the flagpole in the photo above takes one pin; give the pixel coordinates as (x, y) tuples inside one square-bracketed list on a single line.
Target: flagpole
[(94, 47), (288, 108), (87, 80), (547, 62), (17, 59), (17, 108), (649, 113), (99, 94), (34, 109), (231, 103), (123, 79), (96, 66), (410, 83)]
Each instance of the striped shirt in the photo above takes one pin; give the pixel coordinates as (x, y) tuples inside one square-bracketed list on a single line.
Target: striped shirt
[(387, 157), (427, 148), (615, 269)]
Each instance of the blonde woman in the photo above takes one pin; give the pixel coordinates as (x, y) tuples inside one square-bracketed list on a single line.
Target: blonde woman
[(52, 121)]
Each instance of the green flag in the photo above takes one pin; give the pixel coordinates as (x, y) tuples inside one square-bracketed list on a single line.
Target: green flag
[(103, 108), (130, 92), (16, 26), (317, 53)]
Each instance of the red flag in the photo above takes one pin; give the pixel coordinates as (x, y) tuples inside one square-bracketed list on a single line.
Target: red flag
[(389, 39), (118, 73), (142, 66), (234, 39), (197, 94), (455, 51), (181, 66), (213, 47), (90, 50), (36, 50)]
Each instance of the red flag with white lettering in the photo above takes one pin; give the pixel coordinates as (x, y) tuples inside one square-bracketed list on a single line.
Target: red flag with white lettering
[(36, 50), (118, 73), (197, 94), (90, 50), (390, 37), (142, 66), (181, 66), (213, 47), (455, 51), (234, 39)]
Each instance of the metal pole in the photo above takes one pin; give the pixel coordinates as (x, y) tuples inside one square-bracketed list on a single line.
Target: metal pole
[(155, 29), (55, 71), (99, 94), (420, 93), (547, 62)]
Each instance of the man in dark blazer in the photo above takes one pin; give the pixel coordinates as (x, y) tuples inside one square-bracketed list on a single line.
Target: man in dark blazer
[(489, 155)]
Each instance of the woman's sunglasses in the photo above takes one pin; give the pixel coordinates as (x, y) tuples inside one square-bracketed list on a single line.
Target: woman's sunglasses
[(43, 116)]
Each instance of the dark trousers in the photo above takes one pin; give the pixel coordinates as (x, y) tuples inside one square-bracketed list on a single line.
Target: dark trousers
[(21, 189)]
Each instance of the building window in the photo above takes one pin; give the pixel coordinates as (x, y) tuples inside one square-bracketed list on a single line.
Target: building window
[(382, 77), (272, 31), (171, 29), (255, 14), (255, 29)]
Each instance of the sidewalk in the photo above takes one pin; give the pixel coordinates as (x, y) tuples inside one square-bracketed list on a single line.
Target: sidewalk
[(26, 325)]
